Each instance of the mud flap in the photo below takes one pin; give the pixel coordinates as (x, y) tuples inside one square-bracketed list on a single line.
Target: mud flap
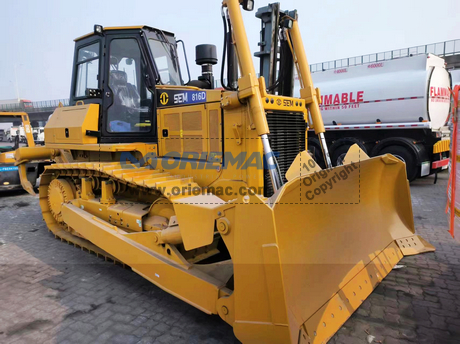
[(339, 232)]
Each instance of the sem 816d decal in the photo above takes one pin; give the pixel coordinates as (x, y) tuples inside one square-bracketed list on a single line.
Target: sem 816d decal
[(180, 97)]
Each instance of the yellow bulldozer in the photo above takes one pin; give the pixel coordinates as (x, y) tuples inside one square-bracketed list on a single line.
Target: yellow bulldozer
[(9, 177), (211, 194)]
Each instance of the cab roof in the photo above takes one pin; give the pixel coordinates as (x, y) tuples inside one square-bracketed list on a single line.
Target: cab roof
[(135, 27)]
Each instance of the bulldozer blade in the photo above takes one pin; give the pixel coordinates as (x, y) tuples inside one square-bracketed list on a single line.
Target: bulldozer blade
[(26, 185), (336, 234), (354, 154), (302, 165)]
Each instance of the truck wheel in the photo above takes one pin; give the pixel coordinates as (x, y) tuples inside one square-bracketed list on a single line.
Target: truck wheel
[(406, 157), (339, 154)]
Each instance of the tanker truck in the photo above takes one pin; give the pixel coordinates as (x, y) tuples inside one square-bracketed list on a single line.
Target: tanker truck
[(398, 106)]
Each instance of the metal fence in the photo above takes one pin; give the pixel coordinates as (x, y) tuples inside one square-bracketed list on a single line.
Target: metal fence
[(441, 49), (41, 106)]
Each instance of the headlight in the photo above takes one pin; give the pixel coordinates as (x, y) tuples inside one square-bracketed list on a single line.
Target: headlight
[(248, 5)]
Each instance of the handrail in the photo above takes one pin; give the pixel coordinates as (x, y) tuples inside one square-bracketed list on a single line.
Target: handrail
[(40, 106), (447, 48)]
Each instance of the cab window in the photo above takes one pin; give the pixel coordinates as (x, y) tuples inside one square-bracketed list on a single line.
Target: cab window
[(130, 110), (87, 69), (164, 54)]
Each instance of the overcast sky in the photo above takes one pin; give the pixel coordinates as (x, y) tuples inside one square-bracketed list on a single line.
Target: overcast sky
[(37, 35)]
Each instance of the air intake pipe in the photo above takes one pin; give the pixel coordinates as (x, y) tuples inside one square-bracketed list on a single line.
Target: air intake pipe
[(206, 57)]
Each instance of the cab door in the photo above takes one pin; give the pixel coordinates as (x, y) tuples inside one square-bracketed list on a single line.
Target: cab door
[(128, 106)]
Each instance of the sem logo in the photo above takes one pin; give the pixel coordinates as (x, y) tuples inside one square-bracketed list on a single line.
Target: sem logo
[(278, 101), (180, 98), (164, 98), (288, 102)]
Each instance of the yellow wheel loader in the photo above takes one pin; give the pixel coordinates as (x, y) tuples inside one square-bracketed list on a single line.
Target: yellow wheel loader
[(211, 194)]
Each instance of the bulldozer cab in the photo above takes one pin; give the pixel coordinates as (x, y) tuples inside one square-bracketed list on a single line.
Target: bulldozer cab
[(119, 68)]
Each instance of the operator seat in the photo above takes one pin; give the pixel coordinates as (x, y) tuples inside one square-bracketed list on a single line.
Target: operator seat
[(124, 113), (125, 94)]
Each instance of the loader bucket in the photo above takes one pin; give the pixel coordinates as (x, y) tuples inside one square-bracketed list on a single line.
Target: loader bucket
[(333, 246)]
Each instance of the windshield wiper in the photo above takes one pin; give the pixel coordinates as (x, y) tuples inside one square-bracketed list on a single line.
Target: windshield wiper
[(164, 41)]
